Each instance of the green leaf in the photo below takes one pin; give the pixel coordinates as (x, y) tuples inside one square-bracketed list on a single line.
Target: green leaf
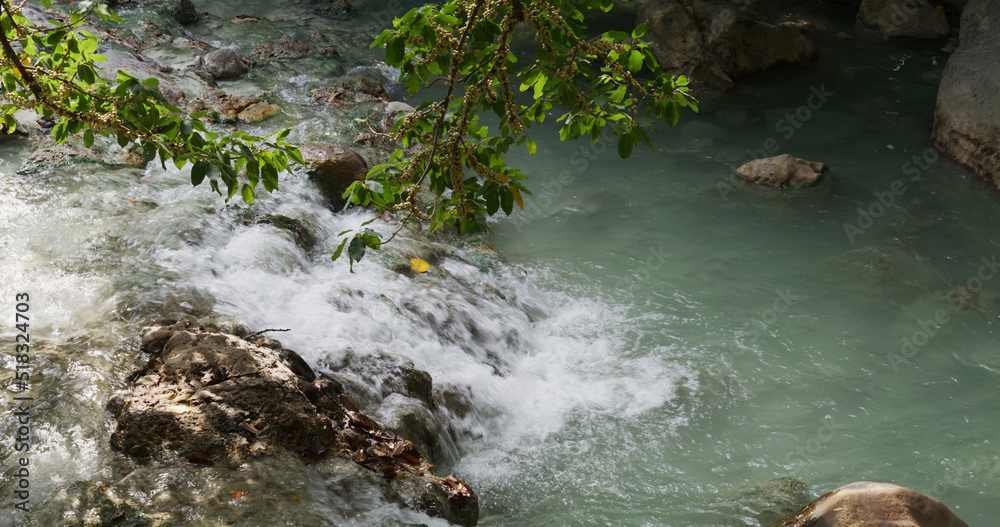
[(248, 195), (340, 248), (625, 144), (88, 138), (198, 172), (356, 249), (532, 147), (634, 61)]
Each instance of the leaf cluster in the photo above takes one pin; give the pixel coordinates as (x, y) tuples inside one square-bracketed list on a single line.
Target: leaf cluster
[(52, 70), (593, 81)]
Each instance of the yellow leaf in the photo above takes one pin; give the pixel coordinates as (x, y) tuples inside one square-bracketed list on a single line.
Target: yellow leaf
[(25, 61), (419, 265), (502, 178), (517, 197), (178, 409), (689, 10), (940, 9)]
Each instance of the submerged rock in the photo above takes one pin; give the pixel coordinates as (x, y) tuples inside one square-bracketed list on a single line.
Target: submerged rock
[(967, 115), (284, 48), (333, 168), (720, 41), (141, 68), (904, 18), (209, 398), (783, 170), (873, 504)]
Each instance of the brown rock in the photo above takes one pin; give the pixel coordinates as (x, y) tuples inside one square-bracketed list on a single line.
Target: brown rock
[(333, 168), (904, 18), (718, 42), (778, 171), (967, 115), (209, 397), (873, 505)]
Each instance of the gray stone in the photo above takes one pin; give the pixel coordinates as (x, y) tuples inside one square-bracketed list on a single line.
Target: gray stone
[(223, 64), (873, 505), (967, 115)]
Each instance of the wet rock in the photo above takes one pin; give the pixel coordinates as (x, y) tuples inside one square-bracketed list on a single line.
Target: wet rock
[(337, 9), (141, 68), (904, 18), (235, 108), (874, 504), (187, 13), (720, 41), (258, 111), (223, 64), (285, 48), (303, 231), (55, 156), (784, 170), (967, 115), (211, 398), (775, 499), (25, 125), (411, 419), (333, 168)]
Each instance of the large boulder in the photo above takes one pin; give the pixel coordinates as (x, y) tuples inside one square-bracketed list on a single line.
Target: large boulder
[(967, 116), (873, 505), (904, 18), (720, 41), (208, 397), (783, 170), (333, 168)]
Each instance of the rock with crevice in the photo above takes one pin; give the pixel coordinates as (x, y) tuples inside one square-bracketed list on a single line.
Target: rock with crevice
[(874, 505), (720, 41), (967, 115), (208, 398), (904, 18), (784, 170)]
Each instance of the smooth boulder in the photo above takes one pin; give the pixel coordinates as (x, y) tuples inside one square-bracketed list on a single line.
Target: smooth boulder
[(904, 18), (784, 170), (223, 64), (873, 504), (333, 168), (718, 41), (967, 115)]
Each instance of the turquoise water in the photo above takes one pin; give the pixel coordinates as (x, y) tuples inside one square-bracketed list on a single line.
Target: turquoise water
[(664, 341)]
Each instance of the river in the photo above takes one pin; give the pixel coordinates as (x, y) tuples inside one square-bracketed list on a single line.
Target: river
[(663, 342)]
